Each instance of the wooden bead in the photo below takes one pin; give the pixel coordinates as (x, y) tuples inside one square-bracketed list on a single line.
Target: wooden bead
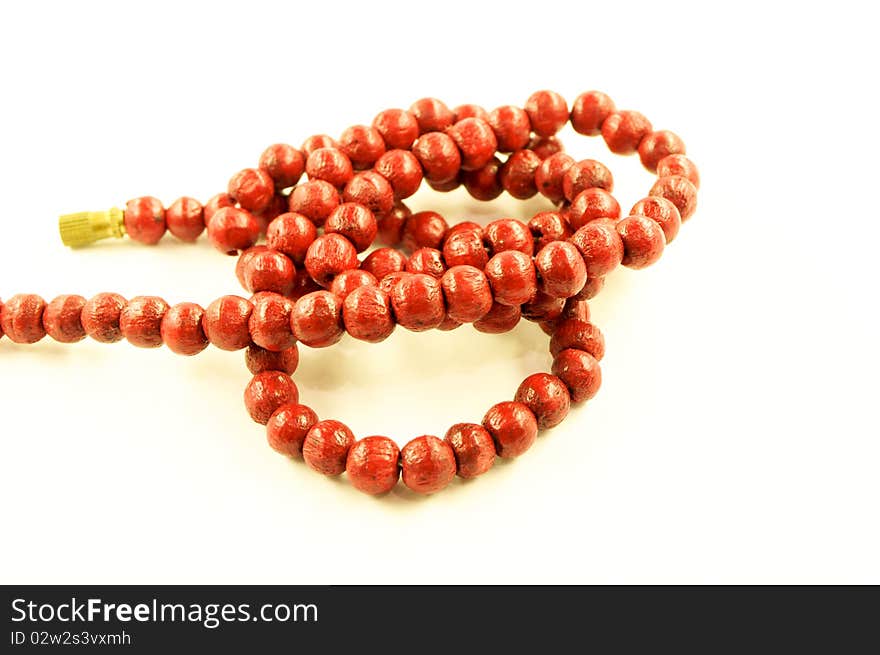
[(574, 308), (424, 230), (512, 427), (284, 164), (467, 293), (371, 190), (387, 283), (431, 114), (511, 126), (643, 241), (542, 307), (448, 325), (679, 165), (580, 372), (216, 202), (548, 112), (548, 226), (366, 314), (259, 359), (231, 229), (317, 319), (291, 234), (252, 189), (657, 145), (269, 323), (326, 447), (465, 247), (550, 174), (624, 130), (499, 319), (417, 301), (586, 174), (439, 157), (268, 270), (508, 234), (315, 199), (398, 128), (331, 165), (512, 277), (383, 261), (547, 398), (600, 246), (304, 284), (475, 140), (21, 318), (469, 111), (362, 144), (402, 170), (464, 226), (100, 317), (62, 319), (590, 205), (185, 219), (266, 392), (517, 175), (561, 269), (484, 183), (317, 141), (575, 333), (355, 222), (144, 220), (663, 212), (545, 146), (428, 261), (591, 288), (473, 448), (181, 329), (141, 321), (329, 255), (226, 322), (347, 281), (287, 428), (680, 191), (373, 465), (428, 464), (589, 111), (391, 224)]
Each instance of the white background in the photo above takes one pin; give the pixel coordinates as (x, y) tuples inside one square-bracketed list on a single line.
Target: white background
[(735, 439)]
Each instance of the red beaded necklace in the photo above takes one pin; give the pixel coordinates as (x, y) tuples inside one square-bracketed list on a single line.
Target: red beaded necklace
[(310, 287)]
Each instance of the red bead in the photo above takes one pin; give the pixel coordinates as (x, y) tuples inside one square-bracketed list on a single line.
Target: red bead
[(545, 146), (347, 281), (391, 224), (100, 317), (231, 230), (330, 165), (657, 145), (431, 114), (680, 191), (469, 111), (326, 447), (269, 322), (643, 241), (144, 220), (398, 128), (438, 156), (591, 288), (62, 319), (467, 293), (513, 278), (499, 319), (185, 219), (575, 333), (402, 170), (317, 141), (362, 144), (428, 464), (590, 205), (329, 255), (355, 222), (473, 448), (387, 283), (601, 247), (574, 308), (561, 269), (367, 315), (464, 226), (268, 270), (284, 164), (303, 284), (589, 111), (417, 301), (424, 230), (373, 465), (383, 261), (219, 201), (252, 189), (476, 141), (548, 226), (291, 234), (465, 247), (287, 428), (549, 176), (511, 126), (542, 307), (226, 322), (428, 261), (266, 392), (277, 207), (679, 165), (586, 174), (317, 319), (508, 234), (580, 372), (21, 318), (512, 426), (624, 130), (662, 211), (181, 329), (484, 183), (547, 398), (141, 321), (315, 199), (517, 175), (259, 359), (548, 112), (448, 325), (370, 189)]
